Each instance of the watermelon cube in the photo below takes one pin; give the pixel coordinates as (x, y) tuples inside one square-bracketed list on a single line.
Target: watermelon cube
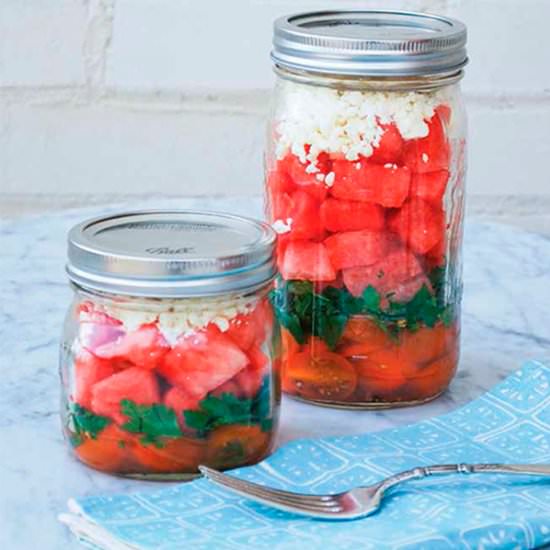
[(354, 248), (431, 153), (386, 275), (88, 370), (390, 147), (419, 224), (430, 186), (305, 180), (342, 215), (202, 361), (306, 223), (308, 261), (137, 384), (144, 347), (387, 184), (179, 401)]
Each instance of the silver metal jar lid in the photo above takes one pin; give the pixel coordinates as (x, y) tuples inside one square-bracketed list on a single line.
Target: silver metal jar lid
[(370, 43), (170, 253)]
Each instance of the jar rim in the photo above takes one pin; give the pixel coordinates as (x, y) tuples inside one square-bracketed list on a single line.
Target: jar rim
[(370, 43), (171, 253)]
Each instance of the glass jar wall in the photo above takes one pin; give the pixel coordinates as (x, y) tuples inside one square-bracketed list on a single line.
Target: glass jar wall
[(159, 387), (364, 185), (153, 387)]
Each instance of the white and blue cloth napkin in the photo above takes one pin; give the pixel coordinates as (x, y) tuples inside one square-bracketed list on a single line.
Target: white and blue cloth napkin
[(510, 424)]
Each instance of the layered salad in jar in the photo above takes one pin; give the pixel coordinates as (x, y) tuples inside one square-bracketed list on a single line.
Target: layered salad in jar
[(155, 387), (364, 189)]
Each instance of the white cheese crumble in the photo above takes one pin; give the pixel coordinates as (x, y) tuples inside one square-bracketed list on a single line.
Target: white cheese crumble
[(347, 122), (176, 317), (329, 179), (281, 226)]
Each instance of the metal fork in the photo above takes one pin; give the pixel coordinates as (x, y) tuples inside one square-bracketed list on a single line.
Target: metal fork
[(361, 501)]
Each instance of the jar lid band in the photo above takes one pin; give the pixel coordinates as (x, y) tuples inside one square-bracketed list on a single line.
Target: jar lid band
[(171, 253), (370, 43)]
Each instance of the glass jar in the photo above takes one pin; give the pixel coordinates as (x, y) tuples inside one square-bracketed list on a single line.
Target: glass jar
[(364, 180), (170, 354)]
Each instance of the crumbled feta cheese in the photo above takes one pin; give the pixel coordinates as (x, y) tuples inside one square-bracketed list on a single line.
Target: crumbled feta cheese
[(347, 122), (320, 177), (425, 158), (176, 317), (311, 169), (329, 179), (280, 226)]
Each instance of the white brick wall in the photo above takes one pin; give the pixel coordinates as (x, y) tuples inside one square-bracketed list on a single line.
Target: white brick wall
[(170, 96)]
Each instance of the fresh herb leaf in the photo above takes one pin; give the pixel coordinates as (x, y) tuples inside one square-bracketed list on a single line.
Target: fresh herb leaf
[(304, 312), (86, 422), (216, 411), (153, 421)]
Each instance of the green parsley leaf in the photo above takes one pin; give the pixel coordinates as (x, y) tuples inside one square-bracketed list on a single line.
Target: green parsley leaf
[(153, 421), (86, 422)]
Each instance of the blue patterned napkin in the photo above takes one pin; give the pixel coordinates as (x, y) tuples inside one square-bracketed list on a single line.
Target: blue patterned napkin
[(511, 423)]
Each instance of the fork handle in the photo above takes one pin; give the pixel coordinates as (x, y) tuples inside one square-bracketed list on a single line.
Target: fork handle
[(444, 469)]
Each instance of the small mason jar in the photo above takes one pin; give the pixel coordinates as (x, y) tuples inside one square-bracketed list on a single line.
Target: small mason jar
[(364, 184), (170, 352)]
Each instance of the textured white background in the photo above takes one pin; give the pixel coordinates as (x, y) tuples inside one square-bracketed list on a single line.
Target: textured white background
[(101, 98)]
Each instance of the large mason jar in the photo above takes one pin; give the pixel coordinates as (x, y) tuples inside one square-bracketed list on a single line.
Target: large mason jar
[(365, 167), (170, 354)]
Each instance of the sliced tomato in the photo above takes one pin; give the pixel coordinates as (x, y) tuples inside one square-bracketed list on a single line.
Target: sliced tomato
[(387, 184), (430, 380), (341, 215), (430, 186), (236, 445), (431, 153), (316, 347), (419, 224), (88, 370), (378, 380), (144, 347), (354, 248), (137, 384), (109, 452), (325, 377), (288, 343), (179, 455), (385, 275), (426, 344), (361, 336), (307, 260), (202, 361), (390, 147)]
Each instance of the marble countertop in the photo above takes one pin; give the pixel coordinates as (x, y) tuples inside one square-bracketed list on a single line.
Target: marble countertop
[(505, 321)]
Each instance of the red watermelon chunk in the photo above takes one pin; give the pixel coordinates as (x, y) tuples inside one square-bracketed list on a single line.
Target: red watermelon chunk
[(280, 206), (202, 361), (308, 181), (354, 248), (405, 291), (144, 347), (386, 275), (136, 384), (419, 224), (387, 184), (308, 261), (390, 148), (435, 257), (306, 223), (88, 370), (179, 401), (431, 153), (430, 186), (278, 181), (341, 215)]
